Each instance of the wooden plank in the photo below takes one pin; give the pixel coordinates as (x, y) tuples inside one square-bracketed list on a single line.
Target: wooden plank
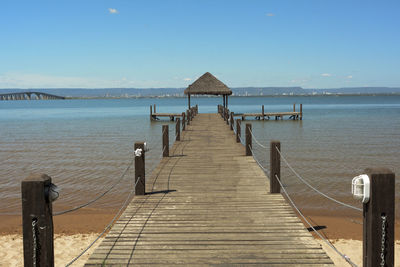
[(210, 206)]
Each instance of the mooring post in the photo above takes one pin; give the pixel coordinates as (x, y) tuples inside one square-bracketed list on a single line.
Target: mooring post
[(238, 130), (178, 129), (37, 221), (187, 117), (165, 140), (378, 219), (155, 108), (140, 175), (151, 113), (248, 140), (301, 111), (183, 121), (232, 121), (263, 118), (294, 107), (275, 167)]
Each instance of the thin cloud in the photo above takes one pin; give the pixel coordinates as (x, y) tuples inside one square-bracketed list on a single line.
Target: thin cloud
[(326, 75), (113, 11), (349, 77), (270, 15), (187, 79)]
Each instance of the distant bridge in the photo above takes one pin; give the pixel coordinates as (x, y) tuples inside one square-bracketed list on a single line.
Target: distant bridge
[(29, 96)]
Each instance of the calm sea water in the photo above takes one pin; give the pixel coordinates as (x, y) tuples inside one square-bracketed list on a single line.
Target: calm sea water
[(85, 145)]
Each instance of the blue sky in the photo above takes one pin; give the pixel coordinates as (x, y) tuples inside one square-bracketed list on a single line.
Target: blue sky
[(166, 43)]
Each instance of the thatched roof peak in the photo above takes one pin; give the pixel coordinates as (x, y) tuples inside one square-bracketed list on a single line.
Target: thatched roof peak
[(207, 84)]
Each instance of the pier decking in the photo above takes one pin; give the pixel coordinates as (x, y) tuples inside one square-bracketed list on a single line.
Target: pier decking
[(208, 204)]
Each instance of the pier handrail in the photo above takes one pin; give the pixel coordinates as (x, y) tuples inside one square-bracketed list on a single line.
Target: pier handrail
[(313, 188), (344, 256)]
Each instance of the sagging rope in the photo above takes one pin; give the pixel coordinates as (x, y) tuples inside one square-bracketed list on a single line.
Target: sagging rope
[(345, 257), (98, 197), (313, 188), (108, 226), (255, 139), (259, 164)]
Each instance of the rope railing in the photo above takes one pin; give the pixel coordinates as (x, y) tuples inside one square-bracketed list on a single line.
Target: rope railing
[(255, 139), (345, 257), (259, 164), (99, 196), (108, 225), (313, 188)]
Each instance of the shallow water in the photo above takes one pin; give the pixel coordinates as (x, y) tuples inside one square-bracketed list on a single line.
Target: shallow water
[(85, 145)]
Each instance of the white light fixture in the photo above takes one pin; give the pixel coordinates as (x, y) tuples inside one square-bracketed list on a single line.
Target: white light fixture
[(360, 188)]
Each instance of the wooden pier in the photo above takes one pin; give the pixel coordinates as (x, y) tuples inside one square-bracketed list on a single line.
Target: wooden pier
[(154, 116), (294, 115), (208, 204)]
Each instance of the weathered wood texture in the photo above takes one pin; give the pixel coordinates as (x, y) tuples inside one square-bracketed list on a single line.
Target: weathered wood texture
[(140, 175), (209, 206)]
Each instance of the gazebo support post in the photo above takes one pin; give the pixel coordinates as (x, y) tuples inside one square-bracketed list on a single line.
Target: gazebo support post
[(188, 101), (226, 101)]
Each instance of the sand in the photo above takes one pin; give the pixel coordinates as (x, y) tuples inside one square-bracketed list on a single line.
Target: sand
[(66, 248)]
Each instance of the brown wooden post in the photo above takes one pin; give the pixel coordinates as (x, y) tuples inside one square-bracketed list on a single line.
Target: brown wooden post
[(187, 117), (151, 113), (227, 116), (232, 121), (155, 108), (301, 111), (275, 167), (248, 140), (188, 101), (37, 221), (183, 121), (197, 109), (294, 107), (140, 173), (165, 140), (263, 112), (178, 129), (238, 130), (378, 217)]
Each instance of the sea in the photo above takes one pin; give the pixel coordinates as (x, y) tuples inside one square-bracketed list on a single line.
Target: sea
[(86, 145)]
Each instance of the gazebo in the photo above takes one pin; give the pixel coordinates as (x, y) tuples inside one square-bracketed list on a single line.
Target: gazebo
[(207, 84)]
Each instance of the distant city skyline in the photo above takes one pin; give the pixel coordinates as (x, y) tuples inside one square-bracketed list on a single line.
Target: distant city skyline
[(170, 43)]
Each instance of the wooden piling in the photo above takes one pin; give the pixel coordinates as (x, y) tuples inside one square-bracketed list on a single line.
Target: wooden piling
[(155, 108), (183, 121), (294, 107), (275, 167), (301, 111), (165, 140), (140, 175), (248, 140), (378, 219), (238, 130), (263, 116), (151, 113), (37, 221), (232, 121), (188, 117), (178, 129)]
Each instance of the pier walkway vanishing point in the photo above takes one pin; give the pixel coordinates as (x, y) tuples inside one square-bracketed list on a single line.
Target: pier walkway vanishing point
[(208, 204)]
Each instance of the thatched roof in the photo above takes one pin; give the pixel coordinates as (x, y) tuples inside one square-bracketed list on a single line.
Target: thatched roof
[(207, 84)]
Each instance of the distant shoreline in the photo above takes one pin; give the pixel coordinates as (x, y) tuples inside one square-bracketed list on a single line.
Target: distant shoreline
[(235, 96)]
